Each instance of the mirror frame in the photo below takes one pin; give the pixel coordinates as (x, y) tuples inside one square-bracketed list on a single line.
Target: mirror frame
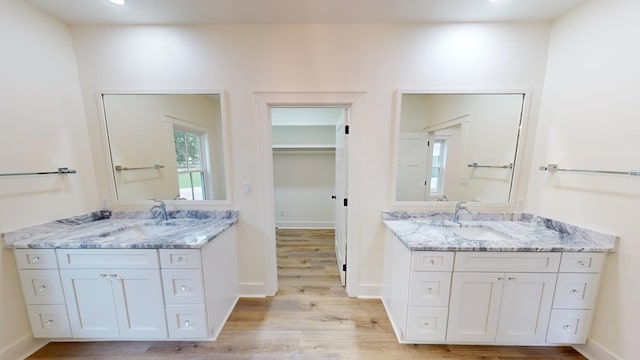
[(108, 161), (520, 143)]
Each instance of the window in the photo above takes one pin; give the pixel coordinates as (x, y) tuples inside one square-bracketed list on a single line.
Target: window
[(190, 145), (437, 166)]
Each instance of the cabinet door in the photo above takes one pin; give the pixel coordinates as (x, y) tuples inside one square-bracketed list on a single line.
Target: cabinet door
[(474, 307), (525, 309), (90, 303), (139, 303)]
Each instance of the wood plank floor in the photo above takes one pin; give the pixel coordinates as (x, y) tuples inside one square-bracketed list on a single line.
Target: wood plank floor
[(311, 317)]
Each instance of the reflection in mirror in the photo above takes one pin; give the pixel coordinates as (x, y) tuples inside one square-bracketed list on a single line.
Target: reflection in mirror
[(457, 147), (166, 146)]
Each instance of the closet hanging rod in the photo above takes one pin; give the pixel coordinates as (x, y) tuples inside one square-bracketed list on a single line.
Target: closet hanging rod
[(554, 168), (60, 171), (124, 168), (475, 165)]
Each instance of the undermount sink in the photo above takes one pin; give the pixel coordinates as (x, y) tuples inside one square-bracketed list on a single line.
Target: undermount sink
[(479, 233), (142, 230)]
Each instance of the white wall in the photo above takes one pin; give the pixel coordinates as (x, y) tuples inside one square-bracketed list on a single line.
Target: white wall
[(42, 128), (242, 59), (303, 185), (589, 120)]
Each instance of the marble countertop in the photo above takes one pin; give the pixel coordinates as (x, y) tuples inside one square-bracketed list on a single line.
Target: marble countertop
[(126, 230), (493, 232)]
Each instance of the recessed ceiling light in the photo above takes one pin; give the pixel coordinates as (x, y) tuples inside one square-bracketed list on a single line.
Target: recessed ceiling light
[(117, 2)]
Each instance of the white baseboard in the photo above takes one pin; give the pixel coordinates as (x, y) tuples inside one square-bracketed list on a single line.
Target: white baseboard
[(22, 348), (595, 351), (305, 224)]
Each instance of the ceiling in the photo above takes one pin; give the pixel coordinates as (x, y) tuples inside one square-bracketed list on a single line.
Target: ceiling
[(302, 11)]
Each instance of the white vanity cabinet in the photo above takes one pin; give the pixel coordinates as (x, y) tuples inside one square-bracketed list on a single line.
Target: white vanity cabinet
[(509, 304), (42, 290), (477, 297), (200, 287), (416, 291), (575, 297), (113, 293)]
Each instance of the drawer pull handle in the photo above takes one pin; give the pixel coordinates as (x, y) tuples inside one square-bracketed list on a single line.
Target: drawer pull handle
[(511, 278), (35, 260), (500, 279), (184, 288), (42, 288), (187, 323), (49, 323)]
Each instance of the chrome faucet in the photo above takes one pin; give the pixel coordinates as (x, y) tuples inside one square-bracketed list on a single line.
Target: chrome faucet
[(459, 208), (162, 207)]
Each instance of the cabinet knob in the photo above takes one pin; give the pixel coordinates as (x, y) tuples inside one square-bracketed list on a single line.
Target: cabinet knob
[(511, 278), (49, 323), (42, 288), (567, 328), (35, 259), (500, 279), (187, 323), (116, 276), (427, 325), (432, 262), (184, 288), (104, 276), (581, 263), (180, 259), (573, 291)]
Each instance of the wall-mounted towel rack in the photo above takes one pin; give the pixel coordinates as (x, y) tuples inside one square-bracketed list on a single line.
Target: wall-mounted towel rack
[(554, 168), (475, 165), (124, 168), (60, 171)]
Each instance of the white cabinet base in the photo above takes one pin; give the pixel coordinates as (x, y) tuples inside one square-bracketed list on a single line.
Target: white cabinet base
[(49, 321), (426, 324)]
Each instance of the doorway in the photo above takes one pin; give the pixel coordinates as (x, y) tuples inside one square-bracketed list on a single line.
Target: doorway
[(309, 172), (264, 102)]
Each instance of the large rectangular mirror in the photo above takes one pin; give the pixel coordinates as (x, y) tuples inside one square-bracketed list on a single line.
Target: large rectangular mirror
[(457, 146), (166, 146)]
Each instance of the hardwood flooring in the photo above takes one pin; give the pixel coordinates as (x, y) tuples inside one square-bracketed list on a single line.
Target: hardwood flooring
[(311, 317)]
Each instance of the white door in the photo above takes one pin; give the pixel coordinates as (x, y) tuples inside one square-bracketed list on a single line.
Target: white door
[(341, 196), (139, 303), (475, 307), (526, 305), (92, 312), (413, 180)]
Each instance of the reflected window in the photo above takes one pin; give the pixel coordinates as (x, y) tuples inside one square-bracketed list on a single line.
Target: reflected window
[(437, 166), (190, 149)]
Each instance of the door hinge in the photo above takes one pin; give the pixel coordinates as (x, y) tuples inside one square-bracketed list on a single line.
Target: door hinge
[(345, 202), (346, 129), (344, 267)]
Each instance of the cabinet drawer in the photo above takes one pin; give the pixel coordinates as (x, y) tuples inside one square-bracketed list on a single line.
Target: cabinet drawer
[(41, 287), (429, 288), (182, 286), (426, 324), (107, 259), (36, 258), (569, 326), (431, 261), (582, 262), (576, 291), (187, 321), (180, 258), (49, 321), (507, 261)]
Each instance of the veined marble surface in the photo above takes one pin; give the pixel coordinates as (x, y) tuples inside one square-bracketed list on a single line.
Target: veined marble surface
[(126, 230), (424, 231)]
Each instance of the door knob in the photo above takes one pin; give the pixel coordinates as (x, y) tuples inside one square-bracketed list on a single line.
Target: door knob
[(333, 197)]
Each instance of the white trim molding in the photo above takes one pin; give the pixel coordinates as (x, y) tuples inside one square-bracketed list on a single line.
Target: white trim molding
[(595, 351)]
